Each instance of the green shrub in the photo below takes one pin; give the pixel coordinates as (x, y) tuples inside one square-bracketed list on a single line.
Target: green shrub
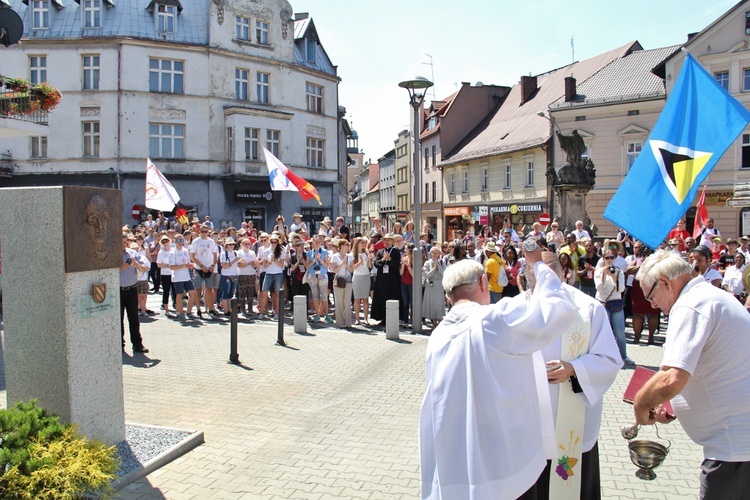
[(44, 459)]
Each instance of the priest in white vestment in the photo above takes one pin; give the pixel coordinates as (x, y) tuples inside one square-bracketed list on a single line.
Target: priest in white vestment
[(581, 367), (485, 428)]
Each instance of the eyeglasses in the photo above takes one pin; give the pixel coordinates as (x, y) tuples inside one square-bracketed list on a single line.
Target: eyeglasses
[(609, 258), (206, 232), (648, 297)]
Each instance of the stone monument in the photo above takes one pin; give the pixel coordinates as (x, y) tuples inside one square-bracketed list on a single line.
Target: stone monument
[(61, 250), (572, 181)]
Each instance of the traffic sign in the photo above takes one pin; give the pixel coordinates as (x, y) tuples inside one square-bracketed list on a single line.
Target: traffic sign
[(136, 212), (545, 219)]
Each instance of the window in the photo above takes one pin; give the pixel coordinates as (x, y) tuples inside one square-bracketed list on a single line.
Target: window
[(581, 118), (746, 80), (314, 98), (166, 75), (529, 174), (272, 142), (166, 141), (92, 13), (230, 144), (165, 18), (40, 14), (452, 184), (426, 157), (723, 79), (261, 32), (466, 181), (37, 69), (432, 123), (434, 155), (745, 151), (506, 184), (261, 87), (91, 139), (310, 49), (243, 28), (485, 179), (252, 144), (434, 190), (39, 146), (315, 148), (426, 194), (90, 72), (633, 150), (240, 84)]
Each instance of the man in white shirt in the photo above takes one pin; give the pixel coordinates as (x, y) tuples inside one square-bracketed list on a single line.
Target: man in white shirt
[(297, 224), (204, 254), (580, 232), (486, 426), (704, 372), (707, 233)]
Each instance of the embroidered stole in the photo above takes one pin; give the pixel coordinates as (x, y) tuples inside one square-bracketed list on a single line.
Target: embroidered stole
[(565, 474)]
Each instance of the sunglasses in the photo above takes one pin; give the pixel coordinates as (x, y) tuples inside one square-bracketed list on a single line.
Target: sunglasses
[(609, 258), (180, 241)]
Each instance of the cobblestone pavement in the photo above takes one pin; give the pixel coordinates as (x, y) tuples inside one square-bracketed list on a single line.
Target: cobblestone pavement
[(332, 415)]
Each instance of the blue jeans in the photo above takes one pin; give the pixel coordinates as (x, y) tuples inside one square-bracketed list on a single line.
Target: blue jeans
[(589, 290), (495, 297), (617, 322), (406, 300), (227, 287)]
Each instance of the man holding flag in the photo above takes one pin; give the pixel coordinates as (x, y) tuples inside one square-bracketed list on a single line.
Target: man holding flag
[(699, 122)]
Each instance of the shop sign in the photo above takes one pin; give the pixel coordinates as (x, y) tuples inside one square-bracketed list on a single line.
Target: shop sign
[(514, 209), (316, 214), (249, 195), (453, 211), (718, 197)]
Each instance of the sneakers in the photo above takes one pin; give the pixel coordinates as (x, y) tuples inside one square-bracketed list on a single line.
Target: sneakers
[(629, 361), (316, 318), (150, 312), (142, 313), (183, 317), (139, 349), (329, 319)]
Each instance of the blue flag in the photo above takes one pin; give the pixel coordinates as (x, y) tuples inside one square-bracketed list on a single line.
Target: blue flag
[(698, 123)]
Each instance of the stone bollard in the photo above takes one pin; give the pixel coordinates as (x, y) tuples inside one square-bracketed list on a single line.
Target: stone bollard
[(391, 319), (300, 314)]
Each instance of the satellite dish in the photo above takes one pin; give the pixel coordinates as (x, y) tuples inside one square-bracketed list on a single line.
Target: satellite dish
[(11, 27)]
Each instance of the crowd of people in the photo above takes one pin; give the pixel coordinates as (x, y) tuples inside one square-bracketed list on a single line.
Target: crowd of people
[(348, 277)]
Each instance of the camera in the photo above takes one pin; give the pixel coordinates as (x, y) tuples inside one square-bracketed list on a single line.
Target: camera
[(128, 261), (612, 269), (316, 267)]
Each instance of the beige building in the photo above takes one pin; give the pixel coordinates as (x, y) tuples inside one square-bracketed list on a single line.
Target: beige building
[(497, 172), (404, 181)]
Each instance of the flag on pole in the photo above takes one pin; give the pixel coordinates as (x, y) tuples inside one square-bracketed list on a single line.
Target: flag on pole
[(181, 214), (283, 179), (701, 215), (160, 195), (699, 122)]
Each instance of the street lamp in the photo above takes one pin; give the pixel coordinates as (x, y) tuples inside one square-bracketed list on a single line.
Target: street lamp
[(417, 89)]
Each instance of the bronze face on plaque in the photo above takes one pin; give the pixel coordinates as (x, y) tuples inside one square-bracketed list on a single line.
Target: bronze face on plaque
[(92, 231), (99, 292)]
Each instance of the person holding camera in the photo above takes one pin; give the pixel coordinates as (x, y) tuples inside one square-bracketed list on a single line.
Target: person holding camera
[(132, 263), (610, 286)]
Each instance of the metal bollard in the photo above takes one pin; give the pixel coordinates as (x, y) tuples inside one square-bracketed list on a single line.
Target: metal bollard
[(234, 357), (391, 319), (300, 314), (280, 334)]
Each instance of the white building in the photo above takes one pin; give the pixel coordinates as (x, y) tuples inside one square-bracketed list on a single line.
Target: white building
[(198, 85)]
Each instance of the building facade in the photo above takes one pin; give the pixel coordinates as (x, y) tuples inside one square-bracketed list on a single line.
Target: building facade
[(198, 86)]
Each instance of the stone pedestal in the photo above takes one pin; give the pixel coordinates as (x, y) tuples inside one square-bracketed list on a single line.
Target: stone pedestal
[(391, 319), (300, 314), (61, 347), (572, 204)]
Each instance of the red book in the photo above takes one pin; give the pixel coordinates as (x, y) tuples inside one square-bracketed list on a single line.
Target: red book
[(641, 375)]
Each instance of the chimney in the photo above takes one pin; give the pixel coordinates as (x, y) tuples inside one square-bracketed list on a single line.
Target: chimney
[(528, 87), (570, 88)]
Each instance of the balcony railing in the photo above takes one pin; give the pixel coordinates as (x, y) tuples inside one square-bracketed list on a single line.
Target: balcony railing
[(21, 107), (22, 100)]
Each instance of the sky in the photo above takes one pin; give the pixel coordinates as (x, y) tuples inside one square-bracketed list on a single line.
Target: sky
[(377, 44)]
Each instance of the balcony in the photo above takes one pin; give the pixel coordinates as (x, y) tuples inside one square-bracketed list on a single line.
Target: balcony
[(24, 101)]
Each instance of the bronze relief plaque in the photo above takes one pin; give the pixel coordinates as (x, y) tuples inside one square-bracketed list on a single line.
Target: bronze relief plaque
[(92, 228)]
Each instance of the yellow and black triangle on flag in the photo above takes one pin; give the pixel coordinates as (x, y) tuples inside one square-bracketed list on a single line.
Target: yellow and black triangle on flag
[(680, 166)]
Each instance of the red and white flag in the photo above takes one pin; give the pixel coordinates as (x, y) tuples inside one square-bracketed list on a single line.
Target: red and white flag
[(160, 195), (701, 215)]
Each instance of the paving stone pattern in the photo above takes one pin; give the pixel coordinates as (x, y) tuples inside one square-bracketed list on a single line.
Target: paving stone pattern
[(333, 415)]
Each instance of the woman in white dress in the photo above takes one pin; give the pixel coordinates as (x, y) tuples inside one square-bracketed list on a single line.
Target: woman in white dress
[(361, 263), (433, 304)]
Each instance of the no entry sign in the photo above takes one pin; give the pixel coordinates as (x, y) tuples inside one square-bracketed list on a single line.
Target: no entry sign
[(544, 219), (136, 212)]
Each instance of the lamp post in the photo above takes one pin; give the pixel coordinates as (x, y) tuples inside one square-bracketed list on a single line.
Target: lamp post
[(417, 89)]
